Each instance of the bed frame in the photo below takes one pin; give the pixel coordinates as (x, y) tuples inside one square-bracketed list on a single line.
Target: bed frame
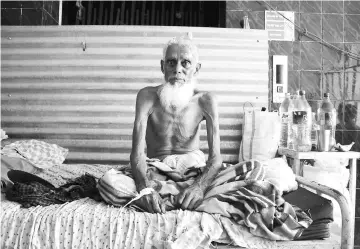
[(75, 86)]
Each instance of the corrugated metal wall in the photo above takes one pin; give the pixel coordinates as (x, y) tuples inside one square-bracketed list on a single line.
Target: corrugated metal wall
[(54, 91)]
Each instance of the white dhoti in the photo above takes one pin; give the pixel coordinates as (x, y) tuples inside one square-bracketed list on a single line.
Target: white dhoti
[(167, 176)]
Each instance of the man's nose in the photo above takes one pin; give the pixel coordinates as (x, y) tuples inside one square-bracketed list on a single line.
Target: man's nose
[(178, 68)]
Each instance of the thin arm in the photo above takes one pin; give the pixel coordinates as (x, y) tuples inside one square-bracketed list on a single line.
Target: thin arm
[(210, 108), (138, 157)]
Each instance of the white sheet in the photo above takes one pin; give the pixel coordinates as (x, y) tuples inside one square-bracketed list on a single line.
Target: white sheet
[(86, 223), (89, 224)]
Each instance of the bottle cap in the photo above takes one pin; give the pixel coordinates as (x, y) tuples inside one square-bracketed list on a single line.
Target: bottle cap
[(326, 95), (302, 92)]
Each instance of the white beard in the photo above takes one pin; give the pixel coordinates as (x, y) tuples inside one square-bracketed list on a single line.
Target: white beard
[(174, 98)]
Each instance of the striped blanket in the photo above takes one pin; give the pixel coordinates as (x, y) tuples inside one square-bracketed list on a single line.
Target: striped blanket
[(239, 192)]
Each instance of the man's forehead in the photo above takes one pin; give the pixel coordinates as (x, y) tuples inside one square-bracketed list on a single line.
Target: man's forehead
[(174, 50)]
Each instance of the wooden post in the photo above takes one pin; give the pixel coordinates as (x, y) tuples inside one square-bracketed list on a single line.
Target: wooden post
[(132, 17), (106, 17), (163, 13), (111, 13), (89, 13), (123, 13), (167, 18), (182, 19), (157, 18), (127, 21), (153, 13), (172, 13), (190, 14), (147, 21), (101, 12), (201, 14), (83, 21), (117, 22), (137, 19), (94, 21), (143, 7)]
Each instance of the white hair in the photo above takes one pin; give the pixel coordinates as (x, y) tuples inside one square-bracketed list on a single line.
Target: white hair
[(186, 41)]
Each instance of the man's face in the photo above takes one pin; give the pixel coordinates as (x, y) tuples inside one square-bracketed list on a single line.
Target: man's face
[(180, 65)]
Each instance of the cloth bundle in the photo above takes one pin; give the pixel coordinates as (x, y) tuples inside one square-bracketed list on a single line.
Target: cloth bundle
[(31, 190)]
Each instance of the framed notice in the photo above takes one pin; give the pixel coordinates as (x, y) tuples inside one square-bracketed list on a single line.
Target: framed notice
[(278, 27)]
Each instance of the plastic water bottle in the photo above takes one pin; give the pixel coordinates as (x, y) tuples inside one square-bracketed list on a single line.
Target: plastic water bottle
[(284, 116), (327, 122), (292, 133), (301, 124)]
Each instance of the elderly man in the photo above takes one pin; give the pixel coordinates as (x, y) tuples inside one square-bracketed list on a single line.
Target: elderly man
[(173, 174), (168, 120)]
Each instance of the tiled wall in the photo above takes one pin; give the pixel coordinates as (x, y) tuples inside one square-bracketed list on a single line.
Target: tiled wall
[(316, 68), (29, 12)]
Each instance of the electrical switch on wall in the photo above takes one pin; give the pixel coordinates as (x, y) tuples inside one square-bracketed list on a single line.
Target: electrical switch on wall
[(280, 77)]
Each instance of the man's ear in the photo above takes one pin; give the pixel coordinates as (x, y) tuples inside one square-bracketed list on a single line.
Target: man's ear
[(162, 65), (198, 67)]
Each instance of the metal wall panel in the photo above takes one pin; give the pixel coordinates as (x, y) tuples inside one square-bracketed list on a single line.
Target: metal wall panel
[(53, 90)]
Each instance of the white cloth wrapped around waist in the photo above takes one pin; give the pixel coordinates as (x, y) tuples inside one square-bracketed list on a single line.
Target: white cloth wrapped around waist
[(167, 177)]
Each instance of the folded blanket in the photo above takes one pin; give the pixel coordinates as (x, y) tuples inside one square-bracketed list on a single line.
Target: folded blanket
[(238, 192)]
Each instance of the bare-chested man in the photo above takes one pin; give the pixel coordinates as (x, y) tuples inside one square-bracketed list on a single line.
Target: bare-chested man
[(168, 120)]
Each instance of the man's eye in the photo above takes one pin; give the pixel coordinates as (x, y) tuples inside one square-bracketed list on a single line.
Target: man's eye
[(186, 63), (171, 63)]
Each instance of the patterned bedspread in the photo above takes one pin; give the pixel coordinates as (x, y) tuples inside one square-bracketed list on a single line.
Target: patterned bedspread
[(86, 223)]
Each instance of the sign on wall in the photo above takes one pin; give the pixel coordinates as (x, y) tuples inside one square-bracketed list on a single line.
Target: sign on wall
[(279, 28)]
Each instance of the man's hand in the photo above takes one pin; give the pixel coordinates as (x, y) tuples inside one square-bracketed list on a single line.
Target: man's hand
[(191, 197), (151, 203)]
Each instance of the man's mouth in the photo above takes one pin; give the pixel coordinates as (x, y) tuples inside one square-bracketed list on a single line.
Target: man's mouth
[(177, 79)]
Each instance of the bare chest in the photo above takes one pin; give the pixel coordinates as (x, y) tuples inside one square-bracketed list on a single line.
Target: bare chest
[(181, 126)]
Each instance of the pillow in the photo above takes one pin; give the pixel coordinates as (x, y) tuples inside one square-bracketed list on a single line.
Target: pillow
[(278, 172)]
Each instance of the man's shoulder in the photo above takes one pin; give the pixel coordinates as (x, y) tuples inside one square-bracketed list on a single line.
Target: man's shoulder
[(148, 92), (206, 97), (208, 101)]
